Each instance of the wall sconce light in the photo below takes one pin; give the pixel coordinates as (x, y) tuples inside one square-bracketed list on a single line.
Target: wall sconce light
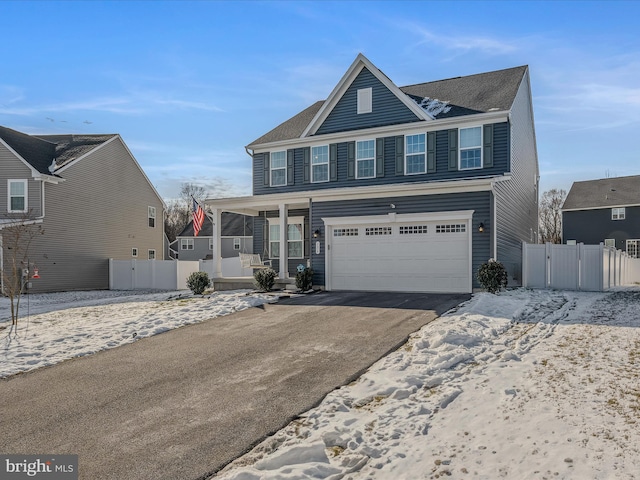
[(316, 233), (481, 227)]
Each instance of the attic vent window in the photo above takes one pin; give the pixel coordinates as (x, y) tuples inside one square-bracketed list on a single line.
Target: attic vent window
[(365, 100)]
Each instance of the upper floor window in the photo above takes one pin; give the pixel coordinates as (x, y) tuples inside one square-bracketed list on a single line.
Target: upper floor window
[(186, 244), (278, 169), (320, 163), (17, 201), (366, 159), (134, 252), (470, 148), (236, 244), (618, 213), (415, 159), (365, 100), (152, 217)]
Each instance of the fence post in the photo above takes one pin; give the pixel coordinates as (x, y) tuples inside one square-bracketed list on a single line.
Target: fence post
[(547, 264), (525, 264), (133, 274), (111, 274)]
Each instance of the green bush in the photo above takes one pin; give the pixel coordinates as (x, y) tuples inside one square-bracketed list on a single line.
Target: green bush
[(304, 278), (492, 276), (265, 278), (198, 282)]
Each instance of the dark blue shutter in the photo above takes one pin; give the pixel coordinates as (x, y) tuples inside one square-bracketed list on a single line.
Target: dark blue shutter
[(307, 165), (453, 149), (290, 167), (431, 152), (333, 162), (400, 155), (487, 154), (265, 164), (379, 157), (351, 160)]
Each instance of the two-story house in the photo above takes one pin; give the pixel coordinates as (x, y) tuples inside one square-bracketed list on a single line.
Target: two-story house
[(389, 188), (604, 211), (92, 200)]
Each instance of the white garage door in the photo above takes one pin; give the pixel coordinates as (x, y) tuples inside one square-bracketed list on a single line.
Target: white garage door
[(419, 256)]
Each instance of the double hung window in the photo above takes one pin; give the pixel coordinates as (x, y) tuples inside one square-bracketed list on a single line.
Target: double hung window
[(278, 169), (415, 159), (17, 196), (320, 164), (152, 217), (618, 213), (470, 148), (366, 159)]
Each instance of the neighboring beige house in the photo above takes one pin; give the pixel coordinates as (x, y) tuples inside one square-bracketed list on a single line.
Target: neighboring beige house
[(92, 199)]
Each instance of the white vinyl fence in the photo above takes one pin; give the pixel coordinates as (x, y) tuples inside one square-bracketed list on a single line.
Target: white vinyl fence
[(591, 268), (166, 274)]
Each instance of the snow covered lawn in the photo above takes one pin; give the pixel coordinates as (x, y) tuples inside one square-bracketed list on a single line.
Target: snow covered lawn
[(526, 385), (57, 326)]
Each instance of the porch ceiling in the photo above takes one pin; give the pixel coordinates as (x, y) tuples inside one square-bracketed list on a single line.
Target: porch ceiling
[(255, 204)]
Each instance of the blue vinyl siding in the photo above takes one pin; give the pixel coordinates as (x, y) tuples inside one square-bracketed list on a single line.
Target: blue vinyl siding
[(501, 164), (480, 202), (387, 108), (593, 226)]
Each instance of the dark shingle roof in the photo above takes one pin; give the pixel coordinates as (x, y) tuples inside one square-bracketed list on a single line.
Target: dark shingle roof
[(70, 147), (232, 226), (606, 192), (40, 150), (37, 152), (479, 93)]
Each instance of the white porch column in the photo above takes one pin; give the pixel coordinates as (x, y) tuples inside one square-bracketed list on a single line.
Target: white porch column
[(284, 244), (217, 242)]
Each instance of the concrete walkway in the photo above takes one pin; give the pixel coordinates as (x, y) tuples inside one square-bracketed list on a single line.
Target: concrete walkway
[(181, 405)]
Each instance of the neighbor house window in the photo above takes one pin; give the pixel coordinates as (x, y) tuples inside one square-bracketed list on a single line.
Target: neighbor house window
[(17, 201), (236, 244), (618, 213), (320, 163), (470, 148), (415, 159), (633, 248), (295, 237), (152, 254), (609, 242), (365, 100), (186, 244), (134, 252), (278, 169), (571, 242), (366, 159), (211, 243), (152, 217)]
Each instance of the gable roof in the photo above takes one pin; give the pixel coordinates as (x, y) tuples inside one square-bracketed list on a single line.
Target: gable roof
[(39, 151), (603, 193), (233, 225), (459, 96)]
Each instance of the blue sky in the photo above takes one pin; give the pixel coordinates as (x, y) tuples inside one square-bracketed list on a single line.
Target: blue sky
[(189, 84)]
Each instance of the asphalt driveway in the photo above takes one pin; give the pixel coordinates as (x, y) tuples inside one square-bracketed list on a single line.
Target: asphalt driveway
[(182, 404)]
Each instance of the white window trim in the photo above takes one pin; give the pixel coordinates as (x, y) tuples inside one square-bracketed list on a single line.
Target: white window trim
[(616, 213), (185, 243), (365, 100), (151, 251), (290, 221), (236, 243), (134, 252), (637, 246), (26, 194), (151, 213), (211, 243), (271, 169), (460, 149), (426, 148), (368, 158), (609, 240), (311, 164)]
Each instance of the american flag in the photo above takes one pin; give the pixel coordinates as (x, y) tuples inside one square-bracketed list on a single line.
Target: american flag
[(198, 217)]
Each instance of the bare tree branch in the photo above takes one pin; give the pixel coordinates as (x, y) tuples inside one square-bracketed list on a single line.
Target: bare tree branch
[(550, 216)]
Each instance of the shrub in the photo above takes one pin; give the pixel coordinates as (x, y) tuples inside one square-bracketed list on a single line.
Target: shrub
[(198, 282), (265, 278), (304, 278), (492, 276)]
